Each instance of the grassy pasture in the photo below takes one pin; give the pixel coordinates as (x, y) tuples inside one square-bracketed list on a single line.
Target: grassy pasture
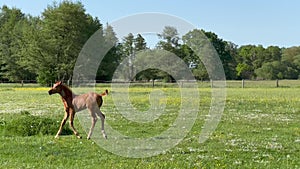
[(260, 128)]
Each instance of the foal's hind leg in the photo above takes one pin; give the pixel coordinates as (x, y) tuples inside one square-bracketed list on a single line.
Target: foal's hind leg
[(102, 116), (72, 114), (94, 120)]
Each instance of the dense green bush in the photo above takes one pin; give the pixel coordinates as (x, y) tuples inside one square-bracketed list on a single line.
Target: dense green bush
[(25, 124)]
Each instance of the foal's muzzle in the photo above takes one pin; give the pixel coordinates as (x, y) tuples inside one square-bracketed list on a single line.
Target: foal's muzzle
[(50, 92)]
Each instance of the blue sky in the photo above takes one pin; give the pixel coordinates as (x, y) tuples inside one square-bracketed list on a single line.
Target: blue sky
[(241, 22)]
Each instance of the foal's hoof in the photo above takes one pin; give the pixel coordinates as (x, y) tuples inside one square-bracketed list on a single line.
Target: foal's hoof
[(104, 134), (79, 137)]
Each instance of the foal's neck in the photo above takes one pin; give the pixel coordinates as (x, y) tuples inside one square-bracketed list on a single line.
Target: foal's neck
[(67, 93)]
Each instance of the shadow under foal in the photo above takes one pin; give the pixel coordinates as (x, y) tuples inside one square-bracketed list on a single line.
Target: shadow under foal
[(74, 103)]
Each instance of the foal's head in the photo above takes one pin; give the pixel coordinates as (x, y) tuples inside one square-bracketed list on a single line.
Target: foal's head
[(57, 88)]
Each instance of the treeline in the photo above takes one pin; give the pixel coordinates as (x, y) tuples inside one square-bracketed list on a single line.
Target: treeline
[(46, 47)]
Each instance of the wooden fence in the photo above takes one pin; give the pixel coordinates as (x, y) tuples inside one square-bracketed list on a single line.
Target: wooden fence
[(201, 84)]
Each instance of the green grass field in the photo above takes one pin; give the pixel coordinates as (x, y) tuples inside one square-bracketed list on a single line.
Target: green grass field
[(260, 128)]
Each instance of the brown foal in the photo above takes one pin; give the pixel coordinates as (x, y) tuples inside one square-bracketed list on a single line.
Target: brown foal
[(74, 103)]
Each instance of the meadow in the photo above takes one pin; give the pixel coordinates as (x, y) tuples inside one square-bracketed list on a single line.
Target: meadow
[(260, 128)]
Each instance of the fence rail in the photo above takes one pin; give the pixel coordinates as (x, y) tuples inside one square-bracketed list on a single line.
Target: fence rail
[(263, 84), (201, 84)]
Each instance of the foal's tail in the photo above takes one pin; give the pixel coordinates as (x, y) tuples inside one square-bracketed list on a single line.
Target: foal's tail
[(104, 93)]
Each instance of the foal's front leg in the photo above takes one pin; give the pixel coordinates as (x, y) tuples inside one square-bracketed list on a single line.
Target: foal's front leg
[(63, 122)]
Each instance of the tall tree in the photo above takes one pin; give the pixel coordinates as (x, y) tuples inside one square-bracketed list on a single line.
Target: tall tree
[(259, 62), (225, 51), (113, 57), (139, 43), (246, 58), (13, 25), (274, 53), (170, 34), (194, 61), (169, 39), (131, 46), (291, 59), (63, 31), (170, 42), (128, 51), (271, 70)]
